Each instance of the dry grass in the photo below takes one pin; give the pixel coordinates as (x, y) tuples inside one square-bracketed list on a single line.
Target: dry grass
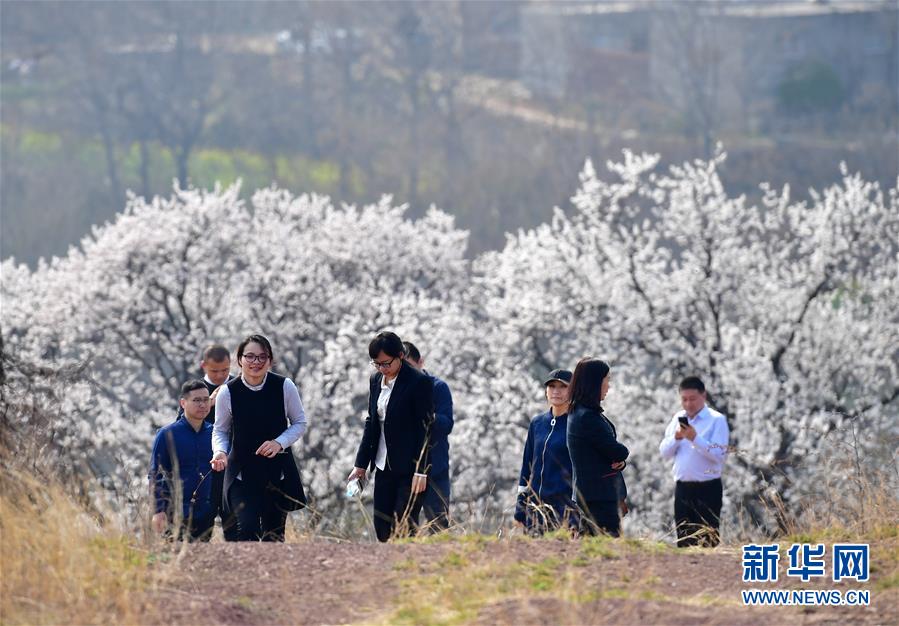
[(465, 585), (869, 513), (457, 587), (60, 565)]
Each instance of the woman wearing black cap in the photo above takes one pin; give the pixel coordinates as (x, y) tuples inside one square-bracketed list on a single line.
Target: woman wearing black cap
[(544, 488), (596, 456)]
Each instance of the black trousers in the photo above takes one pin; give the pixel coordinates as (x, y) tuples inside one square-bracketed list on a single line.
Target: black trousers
[(229, 522), (600, 516), (436, 502), (697, 512), (395, 507), (193, 529), (259, 516)]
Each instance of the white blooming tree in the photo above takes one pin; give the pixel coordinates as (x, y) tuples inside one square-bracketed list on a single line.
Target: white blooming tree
[(787, 310), (133, 306), (325, 280)]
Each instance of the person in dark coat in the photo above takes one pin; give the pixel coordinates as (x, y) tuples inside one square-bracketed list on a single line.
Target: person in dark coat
[(397, 437), (544, 485), (436, 499), (180, 481), (216, 366), (258, 416), (597, 457)]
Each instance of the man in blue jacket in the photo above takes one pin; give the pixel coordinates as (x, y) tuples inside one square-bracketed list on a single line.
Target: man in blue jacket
[(437, 495), (180, 485), (216, 366)]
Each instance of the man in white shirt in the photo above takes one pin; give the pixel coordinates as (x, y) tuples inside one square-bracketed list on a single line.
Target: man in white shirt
[(696, 439)]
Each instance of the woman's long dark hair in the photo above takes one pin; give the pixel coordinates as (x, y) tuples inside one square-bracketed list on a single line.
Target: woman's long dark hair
[(586, 384)]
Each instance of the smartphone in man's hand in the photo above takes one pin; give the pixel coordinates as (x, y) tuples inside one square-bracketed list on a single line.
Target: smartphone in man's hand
[(683, 421)]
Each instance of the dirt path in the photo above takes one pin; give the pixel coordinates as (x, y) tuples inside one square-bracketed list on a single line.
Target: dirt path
[(476, 580)]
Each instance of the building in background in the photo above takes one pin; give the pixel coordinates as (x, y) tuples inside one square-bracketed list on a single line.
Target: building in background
[(719, 66), (573, 49), (749, 66), (491, 35)]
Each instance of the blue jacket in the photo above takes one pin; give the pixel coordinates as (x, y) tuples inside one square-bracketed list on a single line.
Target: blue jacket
[(442, 427), (546, 464), (593, 445), (192, 451)]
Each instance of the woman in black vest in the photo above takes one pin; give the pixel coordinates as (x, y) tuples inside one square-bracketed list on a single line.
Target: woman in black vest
[(262, 413), (596, 456), (396, 437)]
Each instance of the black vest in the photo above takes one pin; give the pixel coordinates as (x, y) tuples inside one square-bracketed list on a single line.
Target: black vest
[(257, 417)]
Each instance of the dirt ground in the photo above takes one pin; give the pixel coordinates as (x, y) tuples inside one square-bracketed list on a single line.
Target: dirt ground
[(322, 582)]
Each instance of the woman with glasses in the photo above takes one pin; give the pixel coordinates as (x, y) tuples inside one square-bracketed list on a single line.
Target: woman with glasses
[(544, 487), (596, 456), (258, 416), (395, 441)]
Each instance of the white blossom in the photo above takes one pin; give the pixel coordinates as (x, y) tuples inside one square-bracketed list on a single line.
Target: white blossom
[(787, 309)]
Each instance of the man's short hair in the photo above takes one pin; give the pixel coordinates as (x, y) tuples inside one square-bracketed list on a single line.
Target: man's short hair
[(411, 351), (192, 385), (692, 382), (216, 352)]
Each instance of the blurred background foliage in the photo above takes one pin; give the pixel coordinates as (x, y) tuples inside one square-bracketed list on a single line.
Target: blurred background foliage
[(486, 109)]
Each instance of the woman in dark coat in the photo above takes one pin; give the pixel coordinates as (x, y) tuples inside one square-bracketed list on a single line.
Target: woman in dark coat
[(397, 437), (597, 457)]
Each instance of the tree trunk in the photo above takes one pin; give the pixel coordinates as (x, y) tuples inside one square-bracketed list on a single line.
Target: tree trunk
[(144, 168), (112, 172)]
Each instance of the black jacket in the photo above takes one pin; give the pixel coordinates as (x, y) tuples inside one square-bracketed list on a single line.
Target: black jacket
[(407, 424), (593, 446)]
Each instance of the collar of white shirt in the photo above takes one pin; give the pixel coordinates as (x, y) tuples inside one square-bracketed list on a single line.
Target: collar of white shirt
[(703, 412), (254, 387)]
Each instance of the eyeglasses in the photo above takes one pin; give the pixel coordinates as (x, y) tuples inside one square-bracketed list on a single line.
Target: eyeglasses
[(201, 400), (255, 358), (383, 365)]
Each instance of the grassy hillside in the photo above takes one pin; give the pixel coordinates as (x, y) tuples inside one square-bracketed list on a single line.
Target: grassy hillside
[(64, 562)]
